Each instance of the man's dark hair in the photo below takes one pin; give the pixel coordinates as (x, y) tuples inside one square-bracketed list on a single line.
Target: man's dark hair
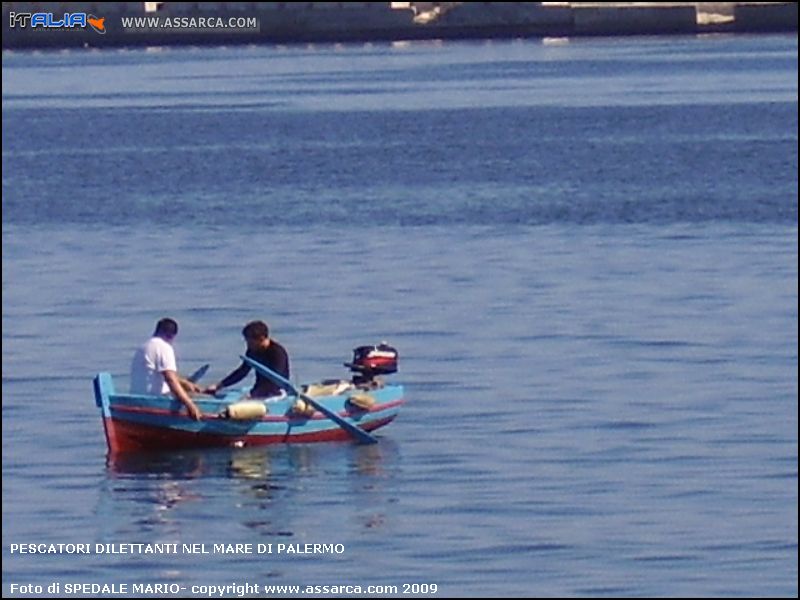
[(167, 328), (256, 330)]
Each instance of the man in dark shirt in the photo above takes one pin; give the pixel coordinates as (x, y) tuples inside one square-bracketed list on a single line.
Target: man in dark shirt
[(261, 348)]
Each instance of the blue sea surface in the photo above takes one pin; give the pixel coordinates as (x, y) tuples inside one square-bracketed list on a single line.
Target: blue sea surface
[(585, 252)]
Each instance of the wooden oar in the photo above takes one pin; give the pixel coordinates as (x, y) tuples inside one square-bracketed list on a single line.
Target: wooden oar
[(358, 434), (195, 377)]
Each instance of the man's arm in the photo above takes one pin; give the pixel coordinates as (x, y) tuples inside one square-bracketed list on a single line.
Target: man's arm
[(234, 376), (174, 382), (189, 386)]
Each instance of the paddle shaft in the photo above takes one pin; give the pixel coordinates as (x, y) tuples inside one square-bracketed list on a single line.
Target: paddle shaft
[(358, 434)]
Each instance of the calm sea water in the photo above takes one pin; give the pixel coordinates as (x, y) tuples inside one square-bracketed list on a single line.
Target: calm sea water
[(585, 252)]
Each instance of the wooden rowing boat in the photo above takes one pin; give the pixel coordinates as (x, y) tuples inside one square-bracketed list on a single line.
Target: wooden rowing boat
[(136, 422)]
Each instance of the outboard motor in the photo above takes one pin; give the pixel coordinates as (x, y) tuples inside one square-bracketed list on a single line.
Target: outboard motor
[(370, 361)]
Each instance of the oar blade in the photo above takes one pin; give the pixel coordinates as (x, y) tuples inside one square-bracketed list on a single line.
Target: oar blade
[(197, 375)]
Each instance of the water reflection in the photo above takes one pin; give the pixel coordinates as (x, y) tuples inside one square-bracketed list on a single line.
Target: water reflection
[(367, 460), (156, 465), (252, 462), (263, 490)]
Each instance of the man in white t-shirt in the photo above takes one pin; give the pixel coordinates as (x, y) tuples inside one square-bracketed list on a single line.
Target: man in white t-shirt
[(154, 370)]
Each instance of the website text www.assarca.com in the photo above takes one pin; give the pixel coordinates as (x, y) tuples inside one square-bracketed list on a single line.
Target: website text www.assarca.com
[(177, 24)]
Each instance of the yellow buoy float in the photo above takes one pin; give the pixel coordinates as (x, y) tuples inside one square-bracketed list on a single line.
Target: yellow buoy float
[(247, 410)]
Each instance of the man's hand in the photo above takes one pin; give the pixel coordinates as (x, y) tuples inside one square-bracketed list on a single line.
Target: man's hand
[(176, 386), (194, 412), (190, 386), (212, 389)]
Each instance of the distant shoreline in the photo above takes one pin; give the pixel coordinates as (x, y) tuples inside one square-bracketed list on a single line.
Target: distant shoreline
[(287, 23)]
